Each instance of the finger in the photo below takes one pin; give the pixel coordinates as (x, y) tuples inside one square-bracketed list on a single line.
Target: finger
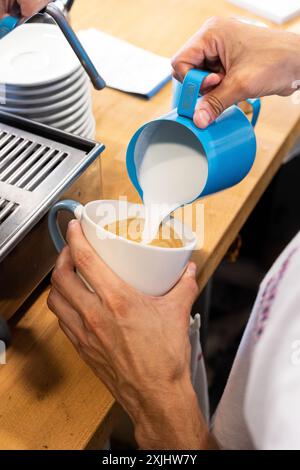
[(191, 55), (101, 278), (97, 364), (69, 334), (215, 102), (71, 287), (186, 290), (211, 81), (30, 7), (65, 260), (180, 70), (66, 314), (3, 8)]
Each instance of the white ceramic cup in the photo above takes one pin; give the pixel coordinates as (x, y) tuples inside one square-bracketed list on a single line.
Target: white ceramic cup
[(150, 269)]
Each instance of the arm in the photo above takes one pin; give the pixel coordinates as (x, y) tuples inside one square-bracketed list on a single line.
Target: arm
[(174, 422), (122, 335), (247, 62)]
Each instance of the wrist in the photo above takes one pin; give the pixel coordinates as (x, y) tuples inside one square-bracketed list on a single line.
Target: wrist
[(170, 418), (294, 56)]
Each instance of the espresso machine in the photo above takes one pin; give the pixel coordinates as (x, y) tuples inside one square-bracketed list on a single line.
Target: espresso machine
[(71, 170)]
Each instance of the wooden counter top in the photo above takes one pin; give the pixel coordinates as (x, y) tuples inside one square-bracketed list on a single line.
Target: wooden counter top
[(49, 398)]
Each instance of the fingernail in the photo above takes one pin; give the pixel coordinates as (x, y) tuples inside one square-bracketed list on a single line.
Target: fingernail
[(73, 222), (203, 118), (191, 270)]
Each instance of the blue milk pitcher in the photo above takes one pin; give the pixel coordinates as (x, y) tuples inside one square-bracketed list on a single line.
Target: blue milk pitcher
[(228, 144)]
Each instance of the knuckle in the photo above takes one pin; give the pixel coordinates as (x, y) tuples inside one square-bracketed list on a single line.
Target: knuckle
[(117, 302), (175, 61), (51, 300), (241, 83), (215, 104), (191, 286), (82, 258), (57, 276), (82, 353), (213, 22), (178, 67), (92, 320), (194, 287), (83, 343)]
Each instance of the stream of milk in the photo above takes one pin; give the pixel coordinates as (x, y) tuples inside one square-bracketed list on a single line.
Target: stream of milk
[(172, 173)]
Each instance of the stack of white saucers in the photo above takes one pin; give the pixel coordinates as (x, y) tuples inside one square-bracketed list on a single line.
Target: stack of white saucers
[(41, 79)]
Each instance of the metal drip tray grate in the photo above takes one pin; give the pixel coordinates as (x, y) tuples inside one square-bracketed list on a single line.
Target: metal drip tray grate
[(24, 163), (7, 208), (37, 165)]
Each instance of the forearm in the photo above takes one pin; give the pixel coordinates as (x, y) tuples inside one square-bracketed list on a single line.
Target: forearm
[(172, 420)]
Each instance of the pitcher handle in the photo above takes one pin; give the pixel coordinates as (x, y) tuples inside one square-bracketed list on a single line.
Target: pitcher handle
[(190, 92), (7, 24), (256, 107), (191, 87)]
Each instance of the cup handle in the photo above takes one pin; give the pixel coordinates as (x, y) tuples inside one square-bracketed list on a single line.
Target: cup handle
[(190, 92), (256, 107), (68, 205)]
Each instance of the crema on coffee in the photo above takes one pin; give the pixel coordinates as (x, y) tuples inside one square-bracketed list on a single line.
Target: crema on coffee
[(132, 229)]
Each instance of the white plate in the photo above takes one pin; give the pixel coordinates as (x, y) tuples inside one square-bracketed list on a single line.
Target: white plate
[(69, 120), (40, 92), (85, 126), (91, 134), (81, 83), (87, 129), (45, 90), (36, 54), (46, 87), (52, 108), (62, 114), (83, 121)]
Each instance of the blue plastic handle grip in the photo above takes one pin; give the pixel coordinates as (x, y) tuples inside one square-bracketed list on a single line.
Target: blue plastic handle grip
[(256, 106), (190, 92), (7, 24)]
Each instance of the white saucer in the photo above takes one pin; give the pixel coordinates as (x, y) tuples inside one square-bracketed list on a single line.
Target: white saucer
[(87, 128), (81, 83), (83, 127), (91, 134), (82, 122), (52, 108), (36, 54), (62, 114), (45, 90), (69, 120)]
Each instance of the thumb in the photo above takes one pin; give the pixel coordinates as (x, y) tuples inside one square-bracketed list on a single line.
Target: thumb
[(186, 290), (214, 103)]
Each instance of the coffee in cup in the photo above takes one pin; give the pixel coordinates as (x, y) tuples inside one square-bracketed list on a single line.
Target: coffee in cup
[(132, 229)]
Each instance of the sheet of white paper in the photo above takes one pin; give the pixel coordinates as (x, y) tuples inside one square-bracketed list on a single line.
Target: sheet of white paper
[(124, 66), (278, 11)]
